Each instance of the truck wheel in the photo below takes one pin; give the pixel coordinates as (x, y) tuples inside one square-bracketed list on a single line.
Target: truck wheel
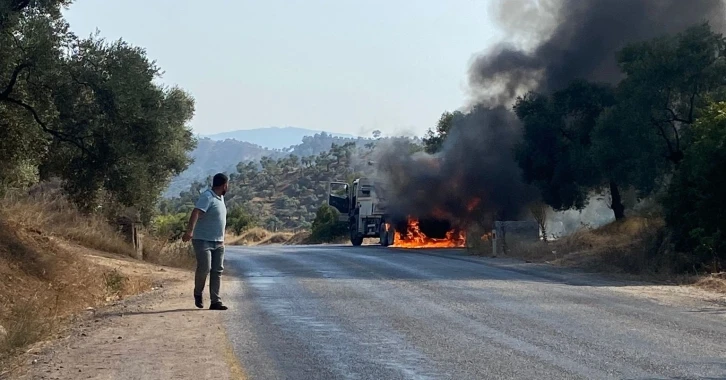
[(355, 239), (391, 235)]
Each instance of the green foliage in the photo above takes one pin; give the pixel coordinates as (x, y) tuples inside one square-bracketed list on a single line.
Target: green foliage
[(586, 137), (434, 140), (556, 153), (667, 80), (696, 201), (657, 126), (170, 226), (640, 141), (326, 228), (86, 111), (239, 220), (18, 175), (284, 192), (140, 137)]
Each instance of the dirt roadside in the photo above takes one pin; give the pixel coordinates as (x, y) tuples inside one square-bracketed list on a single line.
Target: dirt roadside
[(156, 335)]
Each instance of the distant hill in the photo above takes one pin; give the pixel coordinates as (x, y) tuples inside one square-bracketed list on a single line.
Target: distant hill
[(272, 137), (284, 193), (211, 156)]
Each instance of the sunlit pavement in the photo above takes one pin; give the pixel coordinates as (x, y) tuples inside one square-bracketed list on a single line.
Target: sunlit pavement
[(375, 313)]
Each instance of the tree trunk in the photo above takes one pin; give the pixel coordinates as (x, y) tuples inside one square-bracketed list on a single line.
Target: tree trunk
[(617, 201)]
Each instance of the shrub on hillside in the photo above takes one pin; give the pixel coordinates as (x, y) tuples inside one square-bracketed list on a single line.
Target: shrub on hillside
[(326, 227), (696, 202), (240, 220)]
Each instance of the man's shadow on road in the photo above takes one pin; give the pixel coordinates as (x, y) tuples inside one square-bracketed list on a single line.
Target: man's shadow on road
[(150, 312)]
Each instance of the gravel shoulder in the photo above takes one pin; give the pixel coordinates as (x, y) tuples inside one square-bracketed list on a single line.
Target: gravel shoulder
[(156, 335)]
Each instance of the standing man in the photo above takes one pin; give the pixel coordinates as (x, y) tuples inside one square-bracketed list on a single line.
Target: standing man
[(206, 231)]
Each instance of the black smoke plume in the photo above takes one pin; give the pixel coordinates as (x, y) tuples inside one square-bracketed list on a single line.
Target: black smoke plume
[(583, 44), (581, 38)]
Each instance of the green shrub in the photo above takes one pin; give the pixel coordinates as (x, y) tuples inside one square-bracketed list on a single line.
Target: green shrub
[(326, 226), (696, 200), (170, 226), (240, 220)]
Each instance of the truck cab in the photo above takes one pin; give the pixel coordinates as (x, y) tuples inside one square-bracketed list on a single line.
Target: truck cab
[(362, 206)]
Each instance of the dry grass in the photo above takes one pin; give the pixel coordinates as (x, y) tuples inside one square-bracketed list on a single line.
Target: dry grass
[(714, 282), (277, 238), (174, 254), (477, 242), (52, 214), (627, 246), (631, 246), (47, 250), (259, 236), (44, 284), (46, 280), (249, 237), (55, 216), (635, 246), (299, 238)]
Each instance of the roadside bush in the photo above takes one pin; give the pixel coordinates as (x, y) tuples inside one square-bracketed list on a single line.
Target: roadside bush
[(326, 227), (17, 175), (170, 226), (696, 201)]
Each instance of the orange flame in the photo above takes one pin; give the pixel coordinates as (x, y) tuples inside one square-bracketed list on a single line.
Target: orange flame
[(414, 238)]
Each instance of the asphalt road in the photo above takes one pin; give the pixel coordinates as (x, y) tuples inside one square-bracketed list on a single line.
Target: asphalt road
[(376, 313)]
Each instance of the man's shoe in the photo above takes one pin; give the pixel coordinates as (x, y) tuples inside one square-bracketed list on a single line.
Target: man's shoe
[(198, 302), (217, 306)]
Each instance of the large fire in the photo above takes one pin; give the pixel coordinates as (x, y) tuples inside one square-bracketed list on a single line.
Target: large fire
[(414, 238)]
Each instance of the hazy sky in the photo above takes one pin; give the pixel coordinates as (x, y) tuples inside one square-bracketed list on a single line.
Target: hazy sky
[(338, 65)]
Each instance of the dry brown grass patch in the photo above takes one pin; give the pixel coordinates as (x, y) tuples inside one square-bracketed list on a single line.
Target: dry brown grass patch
[(277, 238), (45, 283), (259, 236), (626, 246), (174, 254), (249, 237), (54, 215), (714, 282), (299, 238)]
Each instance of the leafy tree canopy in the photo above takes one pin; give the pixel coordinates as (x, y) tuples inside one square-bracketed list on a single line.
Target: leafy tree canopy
[(87, 111), (696, 201)]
